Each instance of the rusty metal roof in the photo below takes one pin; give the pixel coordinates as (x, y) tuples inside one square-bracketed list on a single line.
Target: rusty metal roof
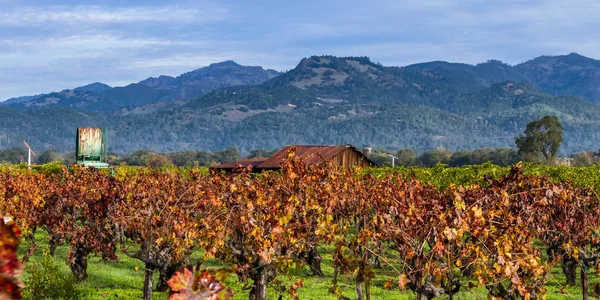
[(308, 154), (244, 162)]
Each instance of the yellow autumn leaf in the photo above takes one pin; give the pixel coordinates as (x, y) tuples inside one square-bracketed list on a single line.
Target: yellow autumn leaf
[(402, 281)]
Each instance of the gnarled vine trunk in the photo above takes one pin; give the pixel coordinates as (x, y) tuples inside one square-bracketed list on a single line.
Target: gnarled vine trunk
[(569, 268), (148, 281), (165, 273), (429, 291), (77, 261), (567, 263), (261, 276), (359, 286), (313, 259), (584, 283), (53, 243)]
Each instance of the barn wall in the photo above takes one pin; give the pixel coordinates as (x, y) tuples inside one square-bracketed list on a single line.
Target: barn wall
[(350, 158)]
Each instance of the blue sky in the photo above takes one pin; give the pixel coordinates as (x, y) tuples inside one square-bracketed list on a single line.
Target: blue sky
[(53, 45)]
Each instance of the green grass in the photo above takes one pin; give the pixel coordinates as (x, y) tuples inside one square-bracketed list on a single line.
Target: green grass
[(115, 280), (120, 280)]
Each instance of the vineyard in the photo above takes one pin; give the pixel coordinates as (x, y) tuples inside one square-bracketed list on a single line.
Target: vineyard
[(455, 233)]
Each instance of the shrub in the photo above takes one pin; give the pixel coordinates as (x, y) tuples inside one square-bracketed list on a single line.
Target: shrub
[(47, 281), (50, 168)]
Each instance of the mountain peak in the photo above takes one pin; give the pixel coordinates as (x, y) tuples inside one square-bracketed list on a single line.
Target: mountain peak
[(493, 62), (571, 59), (576, 58), (329, 70), (160, 81), (227, 63), (93, 87), (333, 61)]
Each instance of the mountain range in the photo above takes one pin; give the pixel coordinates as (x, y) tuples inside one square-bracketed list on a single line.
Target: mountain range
[(323, 100), (99, 97)]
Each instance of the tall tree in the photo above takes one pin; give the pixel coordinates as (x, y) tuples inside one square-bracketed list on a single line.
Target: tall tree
[(49, 156), (406, 157), (260, 153), (228, 155), (14, 155), (543, 136), (431, 158)]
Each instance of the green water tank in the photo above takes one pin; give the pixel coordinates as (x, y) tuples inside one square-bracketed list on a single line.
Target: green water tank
[(91, 147)]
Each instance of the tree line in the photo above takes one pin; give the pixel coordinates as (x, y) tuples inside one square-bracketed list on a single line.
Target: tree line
[(405, 157), (539, 144)]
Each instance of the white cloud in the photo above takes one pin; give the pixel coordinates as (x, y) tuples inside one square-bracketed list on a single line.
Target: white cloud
[(177, 61), (124, 44), (183, 62), (79, 48), (96, 14), (83, 42)]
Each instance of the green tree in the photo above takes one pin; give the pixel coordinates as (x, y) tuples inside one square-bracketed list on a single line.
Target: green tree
[(14, 155), (205, 158), (498, 156), (185, 158), (406, 157), (113, 158), (381, 157), (69, 158), (542, 137), (228, 155), (502, 156), (584, 159), (461, 158), (49, 156), (431, 158), (138, 158), (260, 153), (147, 158), (156, 160)]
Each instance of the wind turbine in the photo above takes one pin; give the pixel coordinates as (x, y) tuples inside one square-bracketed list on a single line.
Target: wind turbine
[(29, 154)]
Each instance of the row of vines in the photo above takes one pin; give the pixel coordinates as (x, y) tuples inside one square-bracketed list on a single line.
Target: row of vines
[(443, 176), (503, 233)]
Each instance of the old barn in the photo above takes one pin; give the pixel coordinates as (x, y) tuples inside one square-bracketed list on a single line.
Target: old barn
[(345, 156)]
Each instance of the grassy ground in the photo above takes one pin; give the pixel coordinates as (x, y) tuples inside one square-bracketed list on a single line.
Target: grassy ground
[(124, 279)]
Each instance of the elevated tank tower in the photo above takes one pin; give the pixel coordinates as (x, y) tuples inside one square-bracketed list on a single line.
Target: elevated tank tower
[(91, 147)]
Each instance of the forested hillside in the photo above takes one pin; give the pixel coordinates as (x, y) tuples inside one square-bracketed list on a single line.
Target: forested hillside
[(324, 100)]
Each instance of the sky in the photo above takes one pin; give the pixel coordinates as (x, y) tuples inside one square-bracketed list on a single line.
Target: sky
[(51, 45)]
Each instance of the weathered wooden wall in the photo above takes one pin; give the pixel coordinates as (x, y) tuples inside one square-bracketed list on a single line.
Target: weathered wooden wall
[(349, 159)]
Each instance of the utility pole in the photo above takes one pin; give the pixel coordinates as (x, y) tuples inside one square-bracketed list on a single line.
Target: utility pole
[(29, 154), (393, 159)]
